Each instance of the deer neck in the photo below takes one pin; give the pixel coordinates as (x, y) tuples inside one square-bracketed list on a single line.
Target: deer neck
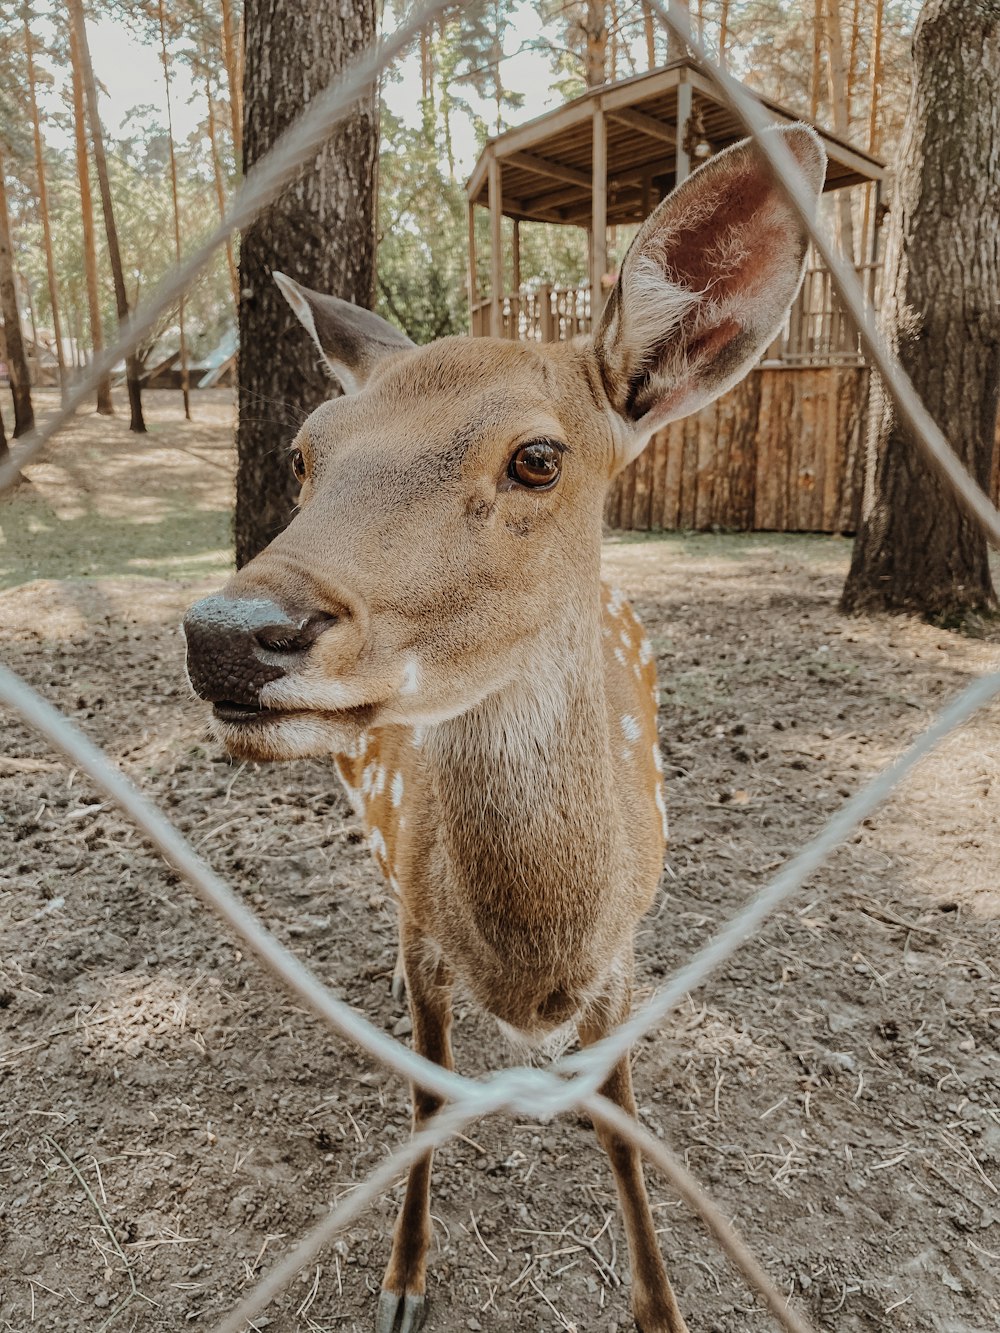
[(522, 782)]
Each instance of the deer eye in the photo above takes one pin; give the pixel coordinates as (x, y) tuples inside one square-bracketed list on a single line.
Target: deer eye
[(536, 465), (299, 464)]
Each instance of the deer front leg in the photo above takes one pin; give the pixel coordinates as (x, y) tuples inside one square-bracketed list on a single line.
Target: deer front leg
[(428, 984), (654, 1304)]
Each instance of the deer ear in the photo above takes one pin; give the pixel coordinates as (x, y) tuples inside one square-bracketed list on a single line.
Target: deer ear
[(352, 340), (704, 287)]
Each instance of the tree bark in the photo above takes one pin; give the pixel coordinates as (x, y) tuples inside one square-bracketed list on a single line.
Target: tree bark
[(321, 231), (136, 422), (17, 361), (43, 201), (596, 34), (105, 407), (917, 550)]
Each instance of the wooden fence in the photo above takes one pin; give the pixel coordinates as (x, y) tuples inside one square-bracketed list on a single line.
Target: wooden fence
[(783, 451)]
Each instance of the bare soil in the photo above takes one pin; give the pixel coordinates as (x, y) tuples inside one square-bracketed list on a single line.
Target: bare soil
[(171, 1122)]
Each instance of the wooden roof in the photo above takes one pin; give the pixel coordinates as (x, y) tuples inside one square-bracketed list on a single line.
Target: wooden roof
[(546, 163)]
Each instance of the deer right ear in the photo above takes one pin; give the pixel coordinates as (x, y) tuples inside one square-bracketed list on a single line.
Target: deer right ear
[(704, 288), (352, 340)]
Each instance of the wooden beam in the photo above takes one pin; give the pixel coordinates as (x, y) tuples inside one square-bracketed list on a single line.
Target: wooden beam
[(472, 278), (638, 120), (683, 122), (496, 246), (599, 215), (516, 256), (542, 166)]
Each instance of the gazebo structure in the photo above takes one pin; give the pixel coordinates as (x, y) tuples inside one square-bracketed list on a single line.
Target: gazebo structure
[(778, 451)]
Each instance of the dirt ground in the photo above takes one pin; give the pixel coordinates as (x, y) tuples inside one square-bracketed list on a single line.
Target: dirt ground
[(170, 1122)]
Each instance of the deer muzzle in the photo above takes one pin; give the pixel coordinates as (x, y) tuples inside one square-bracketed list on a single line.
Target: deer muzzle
[(237, 645)]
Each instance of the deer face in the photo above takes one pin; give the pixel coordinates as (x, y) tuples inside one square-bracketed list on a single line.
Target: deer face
[(448, 535), (447, 513)]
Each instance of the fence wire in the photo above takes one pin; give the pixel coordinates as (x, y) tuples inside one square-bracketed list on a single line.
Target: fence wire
[(572, 1083)]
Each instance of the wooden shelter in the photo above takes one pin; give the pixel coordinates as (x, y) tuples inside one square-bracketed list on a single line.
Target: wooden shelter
[(779, 451)]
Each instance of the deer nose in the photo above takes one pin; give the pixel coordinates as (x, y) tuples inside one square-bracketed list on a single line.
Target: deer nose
[(235, 645)]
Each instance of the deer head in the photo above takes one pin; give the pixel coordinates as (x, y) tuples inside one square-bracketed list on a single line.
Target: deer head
[(448, 535)]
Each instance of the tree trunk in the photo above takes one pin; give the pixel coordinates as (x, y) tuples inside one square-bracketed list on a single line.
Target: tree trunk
[(596, 33), (105, 407), (650, 34), (723, 31), (837, 74), (136, 422), (917, 550), (321, 231), (17, 361), (43, 202), (185, 386), (220, 190), (231, 56), (817, 59)]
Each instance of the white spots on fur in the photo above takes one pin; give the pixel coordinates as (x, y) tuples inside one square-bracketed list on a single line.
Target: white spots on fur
[(625, 640), (645, 651), (661, 806), (419, 736), (620, 658), (373, 781), (630, 727), (396, 790), (376, 845), (657, 757), (411, 677), (615, 602), (627, 755)]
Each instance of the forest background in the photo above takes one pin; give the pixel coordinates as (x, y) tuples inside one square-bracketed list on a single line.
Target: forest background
[(481, 67)]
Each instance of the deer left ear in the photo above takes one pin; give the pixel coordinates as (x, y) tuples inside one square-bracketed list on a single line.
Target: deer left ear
[(704, 287), (352, 340)]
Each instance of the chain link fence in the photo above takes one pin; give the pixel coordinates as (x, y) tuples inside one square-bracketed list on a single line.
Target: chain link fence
[(570, 1084)]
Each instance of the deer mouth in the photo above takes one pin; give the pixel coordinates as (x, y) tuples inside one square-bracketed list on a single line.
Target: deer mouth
[(256, 715)]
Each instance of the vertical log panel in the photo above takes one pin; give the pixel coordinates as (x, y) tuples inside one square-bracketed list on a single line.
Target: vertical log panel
[(704, 423), (659, 446), (674, 439)]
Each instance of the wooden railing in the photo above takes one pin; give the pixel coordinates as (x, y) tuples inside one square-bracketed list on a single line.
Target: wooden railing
[(548, 314), (817, 331)]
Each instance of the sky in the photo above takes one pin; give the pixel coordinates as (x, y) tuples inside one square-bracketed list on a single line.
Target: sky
[(132, 75)]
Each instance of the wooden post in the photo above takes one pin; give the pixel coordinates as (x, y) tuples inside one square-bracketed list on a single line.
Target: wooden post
[(472, 279), (683, 124), (545, 309), (515, 300), (496, 247), (517, 255), (598, 215)]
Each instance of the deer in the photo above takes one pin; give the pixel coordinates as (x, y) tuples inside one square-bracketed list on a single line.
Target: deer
[(434, 618)]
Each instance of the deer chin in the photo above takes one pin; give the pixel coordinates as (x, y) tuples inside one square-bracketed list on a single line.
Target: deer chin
[(276, 735)]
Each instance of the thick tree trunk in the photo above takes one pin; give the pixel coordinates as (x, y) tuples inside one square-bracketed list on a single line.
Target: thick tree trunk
[(596, 34), (917, 550), (43, 200), (17, 361), (105, 407), (321, 231), (132, 372)]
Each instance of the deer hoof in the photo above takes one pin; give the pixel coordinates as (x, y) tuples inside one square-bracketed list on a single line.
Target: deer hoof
[(399, 985), (410, 1309)]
